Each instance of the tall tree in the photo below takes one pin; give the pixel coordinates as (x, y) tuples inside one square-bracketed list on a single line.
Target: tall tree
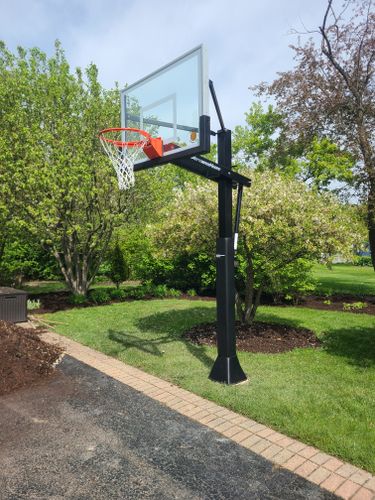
[(330, 91), (62, 183), (16, 145)]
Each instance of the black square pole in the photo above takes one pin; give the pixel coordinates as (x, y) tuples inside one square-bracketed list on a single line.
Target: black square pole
[(227, 368)]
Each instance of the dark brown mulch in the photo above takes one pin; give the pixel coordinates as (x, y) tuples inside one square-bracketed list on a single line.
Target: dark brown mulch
[(24, 357), (52, 302), (59, 301), (258, 337), (340, 303)]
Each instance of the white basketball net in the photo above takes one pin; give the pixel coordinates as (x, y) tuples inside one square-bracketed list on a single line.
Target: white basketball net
[(124, 157)]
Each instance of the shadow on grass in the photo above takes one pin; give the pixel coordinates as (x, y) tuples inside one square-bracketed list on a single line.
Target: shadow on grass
[(171, 325), (356, 344), (150, 346), (175, 321)]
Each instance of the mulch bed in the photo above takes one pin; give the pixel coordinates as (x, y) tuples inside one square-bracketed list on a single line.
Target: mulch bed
[(24, 357), (59, 301), (258, 337), (336, 303), (52, 302)]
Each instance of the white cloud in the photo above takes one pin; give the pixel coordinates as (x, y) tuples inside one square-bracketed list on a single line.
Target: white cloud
[(247, 40)]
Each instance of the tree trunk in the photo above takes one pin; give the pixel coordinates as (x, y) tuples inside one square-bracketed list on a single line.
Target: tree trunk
[(371, 220), (247, 307), (74, 271), (79, 264), (239, 307), (249, 287), (256, 304)]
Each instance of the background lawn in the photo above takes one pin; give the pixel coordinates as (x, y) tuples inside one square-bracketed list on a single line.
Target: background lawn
[(341, 279), (324, 397), (37, 287), (344, 279)]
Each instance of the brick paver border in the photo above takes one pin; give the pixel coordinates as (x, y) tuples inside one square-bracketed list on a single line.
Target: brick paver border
[(340, 478)]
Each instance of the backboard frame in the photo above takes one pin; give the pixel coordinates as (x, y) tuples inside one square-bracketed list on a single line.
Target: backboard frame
[(203, 129)]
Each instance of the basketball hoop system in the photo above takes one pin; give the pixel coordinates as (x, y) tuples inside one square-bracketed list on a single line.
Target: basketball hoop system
[(123, 154), (171, 103)]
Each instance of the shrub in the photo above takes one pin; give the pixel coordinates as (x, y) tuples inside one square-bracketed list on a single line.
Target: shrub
[(191, 292), (119, 269), (103, 271), (24, 260), (117, 294), (293, 283), (363, 260), (139, 293), (182, 271), (159, 291), (285, 227), (99, 296), (77, 300), (354, 306), (148, 290)]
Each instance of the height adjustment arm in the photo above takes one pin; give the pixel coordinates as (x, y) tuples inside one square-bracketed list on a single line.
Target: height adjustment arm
[(237, 217)]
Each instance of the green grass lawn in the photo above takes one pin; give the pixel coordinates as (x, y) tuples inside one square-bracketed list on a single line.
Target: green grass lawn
[(344, 279), (325, 397), (37, 287)]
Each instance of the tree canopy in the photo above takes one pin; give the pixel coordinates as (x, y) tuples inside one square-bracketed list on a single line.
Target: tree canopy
[(264, 144), (330, 91)]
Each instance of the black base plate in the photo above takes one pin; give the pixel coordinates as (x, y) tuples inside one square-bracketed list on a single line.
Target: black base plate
[(227, 371)]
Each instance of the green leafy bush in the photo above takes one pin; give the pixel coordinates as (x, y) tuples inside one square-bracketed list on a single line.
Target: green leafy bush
[(294, 282), (191, 292), (99, 296), (117, 294), (149, 290), (363, 260), (183, 271), (103, 271), (159, 291), (285, 227), (119, 269), (353, 306), (77, 300), (23, 260), (137, 293)]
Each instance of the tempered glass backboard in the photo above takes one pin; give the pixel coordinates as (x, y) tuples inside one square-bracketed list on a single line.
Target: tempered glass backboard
[(171, 103)]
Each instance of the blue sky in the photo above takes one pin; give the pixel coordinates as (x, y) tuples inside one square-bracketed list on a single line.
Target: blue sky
[(247, 41)]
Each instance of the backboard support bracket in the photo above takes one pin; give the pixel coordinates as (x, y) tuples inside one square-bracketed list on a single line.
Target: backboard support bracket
[(204, 147)]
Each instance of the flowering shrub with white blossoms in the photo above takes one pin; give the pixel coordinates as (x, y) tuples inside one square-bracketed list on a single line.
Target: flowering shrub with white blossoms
[(285, 227)]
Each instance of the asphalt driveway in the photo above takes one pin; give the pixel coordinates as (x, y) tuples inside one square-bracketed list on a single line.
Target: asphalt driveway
[(83, 435)]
